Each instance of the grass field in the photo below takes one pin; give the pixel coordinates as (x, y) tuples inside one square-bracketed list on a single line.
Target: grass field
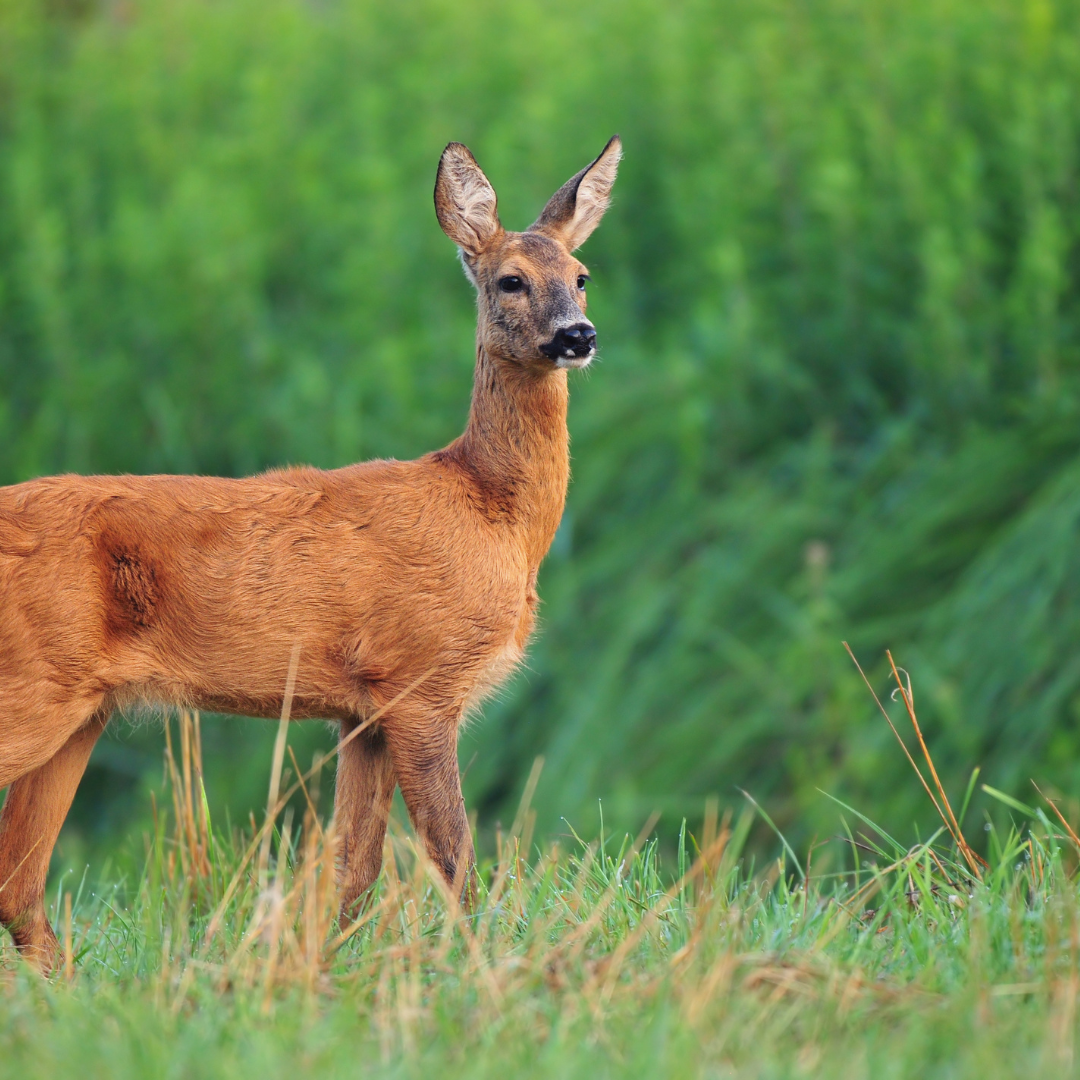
[(840, 397), (866, 956)]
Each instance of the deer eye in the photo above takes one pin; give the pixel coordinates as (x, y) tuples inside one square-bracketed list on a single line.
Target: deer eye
[(581, 281), (511, 283)]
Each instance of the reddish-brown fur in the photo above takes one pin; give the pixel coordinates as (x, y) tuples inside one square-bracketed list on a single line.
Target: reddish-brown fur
[(196, 590)]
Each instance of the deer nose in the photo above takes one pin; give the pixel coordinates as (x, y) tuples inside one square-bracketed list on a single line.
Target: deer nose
[(576, 340)]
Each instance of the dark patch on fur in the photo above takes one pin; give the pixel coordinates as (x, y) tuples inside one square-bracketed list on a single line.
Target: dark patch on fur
[(542, 249), (208, 535), (495, 495), (356, 670), (134, 587)]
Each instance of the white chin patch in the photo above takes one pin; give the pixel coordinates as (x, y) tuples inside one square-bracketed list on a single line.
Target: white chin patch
[(569, 360)]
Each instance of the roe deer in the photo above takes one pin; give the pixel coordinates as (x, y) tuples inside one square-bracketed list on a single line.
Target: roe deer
[(387, 574)]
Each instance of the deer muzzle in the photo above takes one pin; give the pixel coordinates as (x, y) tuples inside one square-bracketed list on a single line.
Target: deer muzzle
[(572, 346)]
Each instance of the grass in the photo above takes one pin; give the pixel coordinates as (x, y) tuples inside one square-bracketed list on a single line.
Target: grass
[(866, 956)]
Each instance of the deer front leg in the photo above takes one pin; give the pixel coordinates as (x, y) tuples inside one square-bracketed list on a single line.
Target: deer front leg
[(36, 806), (365, 787), (425, 759)]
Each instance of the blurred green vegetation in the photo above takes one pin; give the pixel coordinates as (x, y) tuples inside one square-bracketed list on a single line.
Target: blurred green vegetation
[(837, 297)]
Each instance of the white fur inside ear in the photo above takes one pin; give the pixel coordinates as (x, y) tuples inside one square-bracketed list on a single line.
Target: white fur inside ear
[(594, 196), (476, 206)]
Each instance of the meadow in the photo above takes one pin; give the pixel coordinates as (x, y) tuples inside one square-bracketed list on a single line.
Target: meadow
[(224, 956), (838, 398)]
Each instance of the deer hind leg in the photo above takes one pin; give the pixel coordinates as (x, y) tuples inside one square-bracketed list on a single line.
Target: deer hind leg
[(425, 758), (365, 787), (36, 806)]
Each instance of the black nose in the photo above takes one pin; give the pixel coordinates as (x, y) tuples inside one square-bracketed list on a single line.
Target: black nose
[(576, 340)]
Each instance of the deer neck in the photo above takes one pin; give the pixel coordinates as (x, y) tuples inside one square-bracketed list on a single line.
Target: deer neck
[(517, 447)]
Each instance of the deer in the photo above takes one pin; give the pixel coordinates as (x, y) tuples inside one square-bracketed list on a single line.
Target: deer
[(399, 592)]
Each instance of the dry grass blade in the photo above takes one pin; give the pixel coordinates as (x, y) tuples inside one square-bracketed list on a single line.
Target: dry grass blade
[(1060, 816), (278, 761), (510, 848), (903, 864), (960, 843), (970, 857), (11, 877), (312, 813)]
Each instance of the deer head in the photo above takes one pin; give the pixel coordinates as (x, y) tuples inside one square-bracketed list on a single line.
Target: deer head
[(531, 288)]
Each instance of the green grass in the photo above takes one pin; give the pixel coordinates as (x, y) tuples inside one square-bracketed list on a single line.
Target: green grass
[(865, 957)]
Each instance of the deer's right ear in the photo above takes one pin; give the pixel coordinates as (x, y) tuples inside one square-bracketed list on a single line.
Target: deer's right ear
[(465, 202)]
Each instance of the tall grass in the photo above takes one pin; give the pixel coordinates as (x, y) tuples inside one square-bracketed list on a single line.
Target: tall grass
[(885, 958), (836, 296)]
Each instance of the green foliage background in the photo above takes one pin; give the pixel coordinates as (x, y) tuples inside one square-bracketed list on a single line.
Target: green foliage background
[(837, 297)]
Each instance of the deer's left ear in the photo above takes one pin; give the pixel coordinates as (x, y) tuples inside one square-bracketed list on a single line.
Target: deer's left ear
[(577, 207)]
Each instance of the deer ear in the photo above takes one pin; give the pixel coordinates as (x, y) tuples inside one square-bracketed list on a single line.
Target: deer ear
[(577, 207), (465, 201)]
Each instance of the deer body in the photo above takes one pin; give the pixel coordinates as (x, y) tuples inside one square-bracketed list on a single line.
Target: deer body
[(385, 575)]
